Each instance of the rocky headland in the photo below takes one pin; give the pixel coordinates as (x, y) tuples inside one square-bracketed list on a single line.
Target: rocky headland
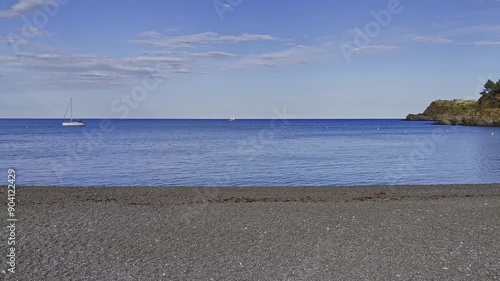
[(483, 112)]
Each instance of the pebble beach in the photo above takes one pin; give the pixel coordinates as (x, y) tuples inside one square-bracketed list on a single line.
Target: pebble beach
[(443, 232)]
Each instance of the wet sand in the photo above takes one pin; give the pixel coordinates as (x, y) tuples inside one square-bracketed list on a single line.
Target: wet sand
[(449, 232)]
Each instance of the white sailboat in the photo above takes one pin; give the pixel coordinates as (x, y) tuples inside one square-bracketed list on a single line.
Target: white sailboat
[(71, 121), (231, 119)]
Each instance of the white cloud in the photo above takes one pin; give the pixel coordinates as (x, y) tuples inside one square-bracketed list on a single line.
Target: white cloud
[(374, 49), (487, 43), (156, 39), (432, 39), (30, 31), (25, 7), (475, 29), (150, 34), (106, 71), (298, 55), (16, 41), (441, 40), (213, 54), (50, 66)]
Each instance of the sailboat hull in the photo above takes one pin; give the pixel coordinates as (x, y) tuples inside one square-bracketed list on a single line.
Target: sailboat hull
[(73, 124)]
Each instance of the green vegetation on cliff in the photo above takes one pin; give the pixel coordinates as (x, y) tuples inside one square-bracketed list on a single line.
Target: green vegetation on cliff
[(484, 112), (491, 88)]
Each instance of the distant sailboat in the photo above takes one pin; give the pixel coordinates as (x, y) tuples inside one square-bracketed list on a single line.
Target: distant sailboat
[(71, 122), (231, 119)]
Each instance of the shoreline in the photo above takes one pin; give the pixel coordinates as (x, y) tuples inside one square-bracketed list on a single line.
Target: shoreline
[(442, 232), (214, 194), (256, 186)]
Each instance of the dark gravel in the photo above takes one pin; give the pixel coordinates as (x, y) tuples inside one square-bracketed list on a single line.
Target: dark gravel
[(447, 232)]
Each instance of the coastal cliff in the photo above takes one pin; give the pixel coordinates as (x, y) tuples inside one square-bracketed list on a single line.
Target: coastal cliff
[(483, 112)]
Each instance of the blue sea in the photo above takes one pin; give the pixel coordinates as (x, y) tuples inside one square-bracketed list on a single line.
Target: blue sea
[(247, 153)]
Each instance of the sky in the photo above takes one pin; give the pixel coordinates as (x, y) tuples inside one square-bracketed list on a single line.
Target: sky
[(243, 58)]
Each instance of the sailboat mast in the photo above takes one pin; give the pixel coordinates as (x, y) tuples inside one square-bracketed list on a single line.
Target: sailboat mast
[(71, 112), (66, 113)]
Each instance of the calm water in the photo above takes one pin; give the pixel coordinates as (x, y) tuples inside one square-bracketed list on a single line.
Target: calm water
[(248, 153)]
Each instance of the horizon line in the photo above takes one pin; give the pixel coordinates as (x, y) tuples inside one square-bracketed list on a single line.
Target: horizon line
[(143, 118)]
